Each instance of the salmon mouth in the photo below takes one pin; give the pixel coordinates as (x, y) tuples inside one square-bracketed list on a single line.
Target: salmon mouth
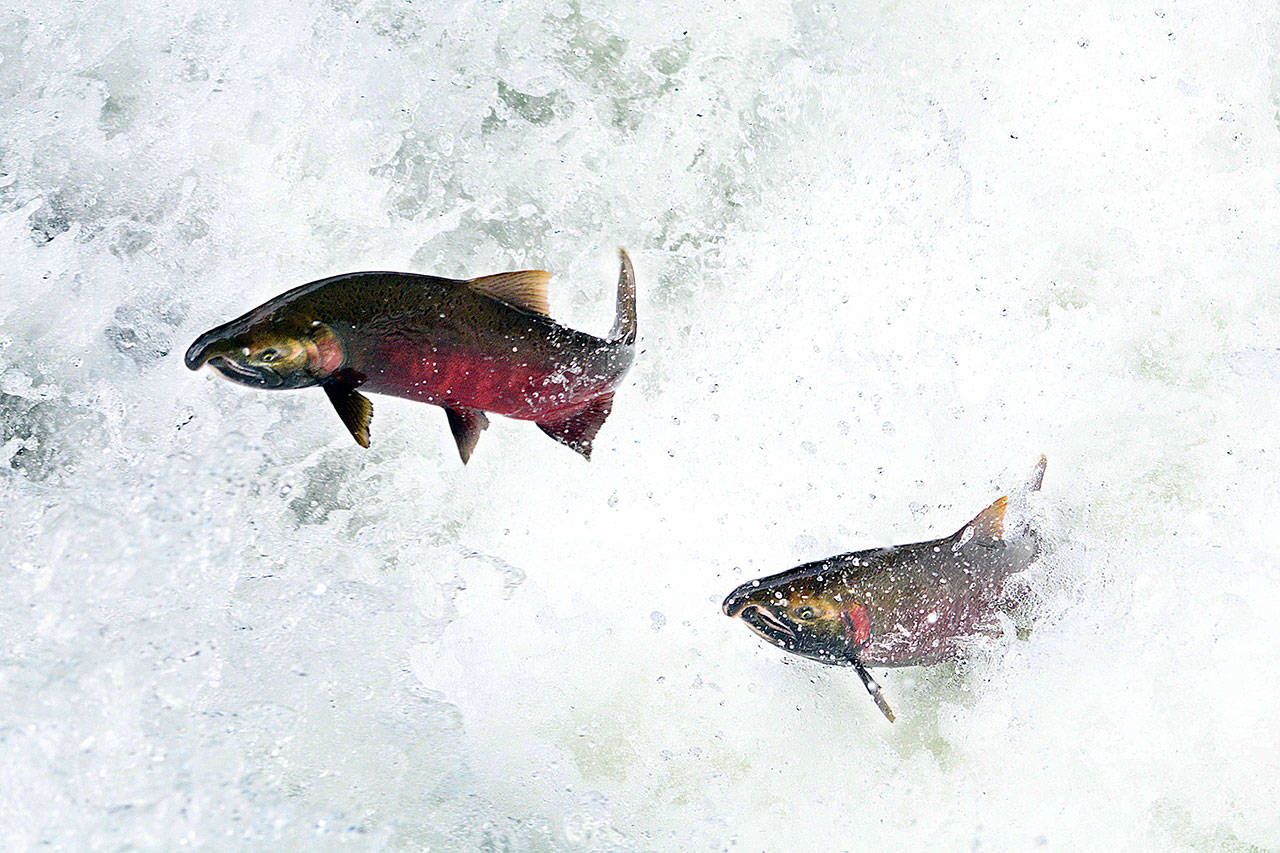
[(767, 625), (243, 374), (759, 619)]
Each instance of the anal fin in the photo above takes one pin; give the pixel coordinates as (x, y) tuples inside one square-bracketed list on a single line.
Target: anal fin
[(353, 407), (578, 429), (466, 424)]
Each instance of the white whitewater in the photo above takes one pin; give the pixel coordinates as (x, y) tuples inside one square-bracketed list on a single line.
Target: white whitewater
[(888, 254)]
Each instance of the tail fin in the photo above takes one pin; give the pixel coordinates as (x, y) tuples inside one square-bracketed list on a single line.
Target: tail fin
[(1037, 476), (1024, 518), (624, 326)]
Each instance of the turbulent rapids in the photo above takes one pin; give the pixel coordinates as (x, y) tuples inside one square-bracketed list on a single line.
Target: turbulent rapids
[(887, 255)]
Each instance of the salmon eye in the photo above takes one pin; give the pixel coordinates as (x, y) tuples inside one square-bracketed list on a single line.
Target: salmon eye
[(268, 355), (806, 613)]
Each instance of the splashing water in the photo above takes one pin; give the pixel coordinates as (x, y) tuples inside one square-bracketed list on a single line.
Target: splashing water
[(887, 254)]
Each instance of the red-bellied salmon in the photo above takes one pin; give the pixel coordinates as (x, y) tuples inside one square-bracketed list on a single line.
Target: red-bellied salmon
[(481, 345)]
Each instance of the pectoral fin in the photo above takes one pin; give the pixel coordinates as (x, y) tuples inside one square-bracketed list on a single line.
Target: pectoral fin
[(579, 429), (873, 688), (353, 407), (467, 424)]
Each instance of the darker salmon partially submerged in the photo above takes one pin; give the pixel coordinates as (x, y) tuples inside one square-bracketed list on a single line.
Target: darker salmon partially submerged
[(483, 345), (909, 605)]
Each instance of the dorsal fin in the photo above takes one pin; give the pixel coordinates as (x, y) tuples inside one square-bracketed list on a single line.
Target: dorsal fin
[(989, 525), (526, 289)]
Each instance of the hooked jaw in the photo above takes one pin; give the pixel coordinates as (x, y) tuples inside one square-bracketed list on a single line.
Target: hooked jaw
[(737, 600), (218, 351), (764, 623), (739, 605), (740, 599), (258, 378), (204, 348)]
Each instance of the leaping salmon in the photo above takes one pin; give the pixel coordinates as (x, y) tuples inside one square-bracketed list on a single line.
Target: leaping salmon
[(903, 606), (482, 345)]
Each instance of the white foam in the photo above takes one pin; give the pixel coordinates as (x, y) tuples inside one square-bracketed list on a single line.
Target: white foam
[(886, 257)]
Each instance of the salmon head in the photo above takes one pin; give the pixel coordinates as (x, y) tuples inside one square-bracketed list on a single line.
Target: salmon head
[(806, 612), (269, 352)]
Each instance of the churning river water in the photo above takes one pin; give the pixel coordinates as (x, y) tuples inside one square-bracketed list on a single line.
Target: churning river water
[(888, 253)]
